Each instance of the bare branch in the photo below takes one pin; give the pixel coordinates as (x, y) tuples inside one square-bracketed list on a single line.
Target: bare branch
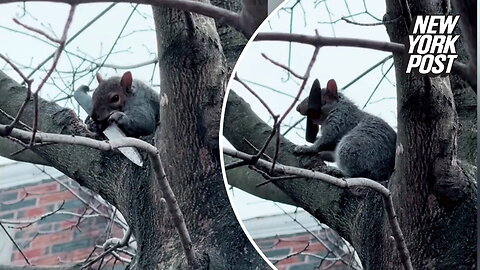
[(293, 254), (61, 46), (76, 266), (15, 243), (29, 222), (320, 41), (343, 183), (81, 199), (121, 243), (50, 71), (294, 102), (132, 66), (231, 18), (369, 24), (38, 31), (29, 92), (283, 66), (73, 37), (172, 205), (466, 73), (255, 95), (274, 116)]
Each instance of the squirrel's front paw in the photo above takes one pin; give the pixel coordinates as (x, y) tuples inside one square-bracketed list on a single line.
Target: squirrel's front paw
[(116, 117), (92, 125), (94, 128), (303, 149)]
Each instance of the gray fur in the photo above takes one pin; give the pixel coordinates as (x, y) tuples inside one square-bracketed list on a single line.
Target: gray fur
[(139, 114), (364, 144), (142, 111)]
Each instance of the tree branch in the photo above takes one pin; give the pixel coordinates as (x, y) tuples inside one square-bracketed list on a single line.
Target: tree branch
[(393, 47), (241, 124), (248, 181), (31, 267), (153, 153), (343, 183), (7, 147), (241, 22), (320, 41)]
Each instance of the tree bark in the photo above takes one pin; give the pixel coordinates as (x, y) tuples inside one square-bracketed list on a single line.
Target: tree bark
[(194, 75), (434, 193), (428, 179), (193, 84)]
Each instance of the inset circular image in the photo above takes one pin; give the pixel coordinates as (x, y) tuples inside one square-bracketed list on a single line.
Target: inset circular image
[(332, 151)]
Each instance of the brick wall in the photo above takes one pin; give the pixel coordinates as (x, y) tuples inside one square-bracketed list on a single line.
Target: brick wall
[(63, 238), (291, 252), (57, 238)]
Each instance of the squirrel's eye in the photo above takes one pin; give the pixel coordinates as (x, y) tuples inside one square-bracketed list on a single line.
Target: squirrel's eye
[(115, 98)]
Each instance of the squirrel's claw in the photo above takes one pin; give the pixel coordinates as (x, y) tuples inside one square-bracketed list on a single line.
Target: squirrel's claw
[(115, 117)]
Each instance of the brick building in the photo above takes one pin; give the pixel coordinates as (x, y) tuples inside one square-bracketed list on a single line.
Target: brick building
[(42, 210), (296, 241), (52, 221)]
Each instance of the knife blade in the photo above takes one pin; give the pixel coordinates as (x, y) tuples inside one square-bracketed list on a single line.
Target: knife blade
[(112, 132)]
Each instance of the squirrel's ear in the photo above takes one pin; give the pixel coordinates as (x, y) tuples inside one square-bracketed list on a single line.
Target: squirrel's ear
[(332, 87), (99, 77), (126, 80)]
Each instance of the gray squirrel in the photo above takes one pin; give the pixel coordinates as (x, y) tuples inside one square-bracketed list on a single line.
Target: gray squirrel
[(131, 104), (362, 145)]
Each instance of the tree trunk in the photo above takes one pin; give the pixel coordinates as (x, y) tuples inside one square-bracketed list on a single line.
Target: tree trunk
[(428, 179), (193, 79), (434, 193)]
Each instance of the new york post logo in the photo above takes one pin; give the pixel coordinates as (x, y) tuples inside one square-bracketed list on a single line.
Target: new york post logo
[(431, 45)]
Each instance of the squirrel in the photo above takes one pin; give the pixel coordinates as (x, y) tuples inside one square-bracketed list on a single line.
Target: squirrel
[(362, 145), (131, 104)]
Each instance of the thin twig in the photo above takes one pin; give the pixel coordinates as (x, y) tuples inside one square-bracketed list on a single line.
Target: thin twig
[(38, 31), (15, 244), (366, 72), (320, 240), (59, 51), (291, 254), (80, 198), (293, 126), (235, 165), (86, 26), (320, 41), (376, 87), (118, 37), (258, 150), (172, 204), (226, 16), (274, 179), (369, 24), (393, 47), (342, 183), (29, 90), (122, 243), (283, 66), (304, 83), (31, 221), (294, 102), (249, 89)]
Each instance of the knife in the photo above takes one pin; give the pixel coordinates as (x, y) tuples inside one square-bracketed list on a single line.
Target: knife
[(112, 132)]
